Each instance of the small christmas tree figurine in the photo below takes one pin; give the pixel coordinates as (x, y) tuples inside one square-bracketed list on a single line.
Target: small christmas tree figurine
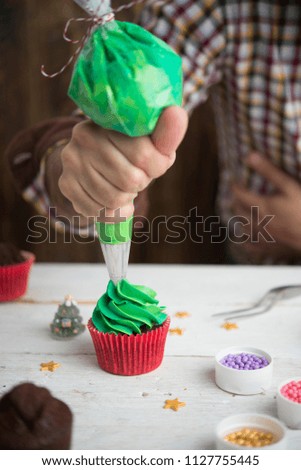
[(67, 321)]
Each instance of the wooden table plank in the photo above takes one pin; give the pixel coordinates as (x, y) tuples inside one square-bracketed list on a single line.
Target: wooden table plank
[(113, 412)]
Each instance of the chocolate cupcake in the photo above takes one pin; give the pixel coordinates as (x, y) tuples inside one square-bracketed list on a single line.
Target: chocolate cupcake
[(9, 255), (14, 271), (32, 419)]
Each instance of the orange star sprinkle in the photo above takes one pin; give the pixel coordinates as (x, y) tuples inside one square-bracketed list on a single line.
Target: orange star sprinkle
[(176, 331), (174, 405), (49, 366), (229, 326), (182, 314)]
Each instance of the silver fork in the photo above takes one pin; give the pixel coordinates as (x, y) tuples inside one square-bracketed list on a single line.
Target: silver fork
[(265, 303)]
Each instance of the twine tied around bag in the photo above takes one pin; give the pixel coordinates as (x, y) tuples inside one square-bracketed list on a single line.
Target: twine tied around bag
[(93, 21)]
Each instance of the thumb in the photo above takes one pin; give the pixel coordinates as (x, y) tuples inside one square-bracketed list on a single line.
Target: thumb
[(170, 130)]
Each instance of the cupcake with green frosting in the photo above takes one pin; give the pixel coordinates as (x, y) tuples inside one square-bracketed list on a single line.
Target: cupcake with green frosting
[(129, 329)]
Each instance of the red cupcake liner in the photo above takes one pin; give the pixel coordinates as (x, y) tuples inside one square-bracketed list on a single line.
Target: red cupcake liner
[(129, 355), (14, 278)]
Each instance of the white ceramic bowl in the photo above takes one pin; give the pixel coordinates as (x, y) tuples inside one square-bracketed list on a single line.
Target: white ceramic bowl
[(289, 411), (247, 420), (243, 382)]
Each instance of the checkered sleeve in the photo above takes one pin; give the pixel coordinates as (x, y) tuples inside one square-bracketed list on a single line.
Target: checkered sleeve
[(195, 30)]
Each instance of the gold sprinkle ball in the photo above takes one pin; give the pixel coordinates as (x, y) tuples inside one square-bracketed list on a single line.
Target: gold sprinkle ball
[(249, 437)]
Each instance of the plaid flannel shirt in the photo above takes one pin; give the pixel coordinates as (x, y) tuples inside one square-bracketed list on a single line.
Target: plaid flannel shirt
[(250, 51)]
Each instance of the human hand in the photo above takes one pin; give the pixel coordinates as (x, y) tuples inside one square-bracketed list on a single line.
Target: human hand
[(106, 169), (280, 213)]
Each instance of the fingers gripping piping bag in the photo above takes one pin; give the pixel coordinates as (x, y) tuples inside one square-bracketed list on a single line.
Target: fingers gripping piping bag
[(123, 79)]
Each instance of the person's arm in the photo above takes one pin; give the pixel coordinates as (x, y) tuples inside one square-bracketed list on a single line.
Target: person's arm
[(64, 208), (34, 158), (271, 223), (99, 168), (104, 169), (28, 154)]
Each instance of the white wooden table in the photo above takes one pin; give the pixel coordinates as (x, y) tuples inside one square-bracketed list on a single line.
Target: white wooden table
[(113, 412)]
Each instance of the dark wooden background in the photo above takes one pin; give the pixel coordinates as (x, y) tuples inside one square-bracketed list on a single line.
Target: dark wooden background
[(31, 35)]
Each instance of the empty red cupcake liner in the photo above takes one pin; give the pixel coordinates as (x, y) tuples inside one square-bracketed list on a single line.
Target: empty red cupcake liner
[(129, 355), (14, 278)]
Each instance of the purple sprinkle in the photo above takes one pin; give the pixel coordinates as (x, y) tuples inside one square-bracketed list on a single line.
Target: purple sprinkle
[(244, 361)]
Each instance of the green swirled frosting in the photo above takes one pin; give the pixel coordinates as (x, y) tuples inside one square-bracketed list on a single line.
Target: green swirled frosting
[(126, 308)]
